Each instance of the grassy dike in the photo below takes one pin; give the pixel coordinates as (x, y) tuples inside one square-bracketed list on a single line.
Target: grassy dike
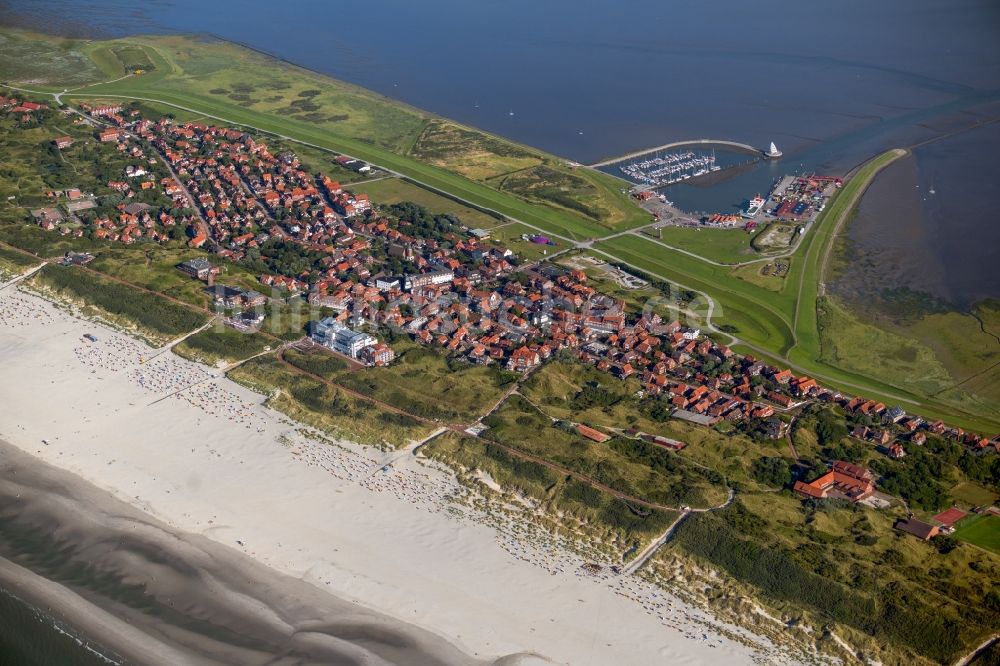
[(783, 326), (810, 272), (238, 86)]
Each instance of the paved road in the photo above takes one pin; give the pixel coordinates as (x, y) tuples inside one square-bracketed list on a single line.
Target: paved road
[(967, 659), (23, 276), (409, 450), (655, 545)]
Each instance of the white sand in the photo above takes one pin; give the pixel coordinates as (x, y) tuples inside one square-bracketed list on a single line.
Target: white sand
[(213, 460)]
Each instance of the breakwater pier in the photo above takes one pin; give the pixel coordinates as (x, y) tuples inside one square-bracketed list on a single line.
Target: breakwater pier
[(679, 144)]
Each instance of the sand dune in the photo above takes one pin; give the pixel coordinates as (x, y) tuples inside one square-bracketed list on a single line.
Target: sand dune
[(213, 467)]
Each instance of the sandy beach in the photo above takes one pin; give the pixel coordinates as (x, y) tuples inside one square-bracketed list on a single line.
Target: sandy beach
[(214, 467)]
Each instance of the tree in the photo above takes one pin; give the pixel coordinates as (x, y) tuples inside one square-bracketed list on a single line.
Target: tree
[(944, 543), (772, 471)]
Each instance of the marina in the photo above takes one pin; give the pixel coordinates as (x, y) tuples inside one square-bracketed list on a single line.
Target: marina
[(670, 168), (682, 162)]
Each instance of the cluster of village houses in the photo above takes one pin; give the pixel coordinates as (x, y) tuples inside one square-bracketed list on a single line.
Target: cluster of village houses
[(457, 292), (26, 110)]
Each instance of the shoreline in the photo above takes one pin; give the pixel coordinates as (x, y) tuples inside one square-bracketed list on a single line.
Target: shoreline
[(14, 611), (409, 543), (219, 590)]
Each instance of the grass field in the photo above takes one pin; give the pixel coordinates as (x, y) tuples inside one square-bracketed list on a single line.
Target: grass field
[(945, 356), (473, 154), (753, 273), (619, 528), (756, 315), (509, 235), (46, 61), (397, 190), (424, 382), (848, 343), (972, 494), (319, 362), (155, 267), (141, 313), (577, 193), (965, 343), (217, 345), (728, 246), (628, 466), (13, 263), (982, 530), (582, 393)]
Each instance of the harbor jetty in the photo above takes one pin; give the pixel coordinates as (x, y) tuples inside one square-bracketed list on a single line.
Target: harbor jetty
[(678, 144)]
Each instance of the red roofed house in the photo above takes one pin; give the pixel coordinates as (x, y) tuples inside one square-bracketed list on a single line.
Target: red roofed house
[(784, 376), (895, 450), (844, 481), (110, 134), (804, 385), (590, 433), (779, 398), (199, 240), (379, 354), (523, 360)]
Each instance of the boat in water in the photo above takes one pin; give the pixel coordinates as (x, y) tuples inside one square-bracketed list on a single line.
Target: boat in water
[(754, 207), (666, 169)]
